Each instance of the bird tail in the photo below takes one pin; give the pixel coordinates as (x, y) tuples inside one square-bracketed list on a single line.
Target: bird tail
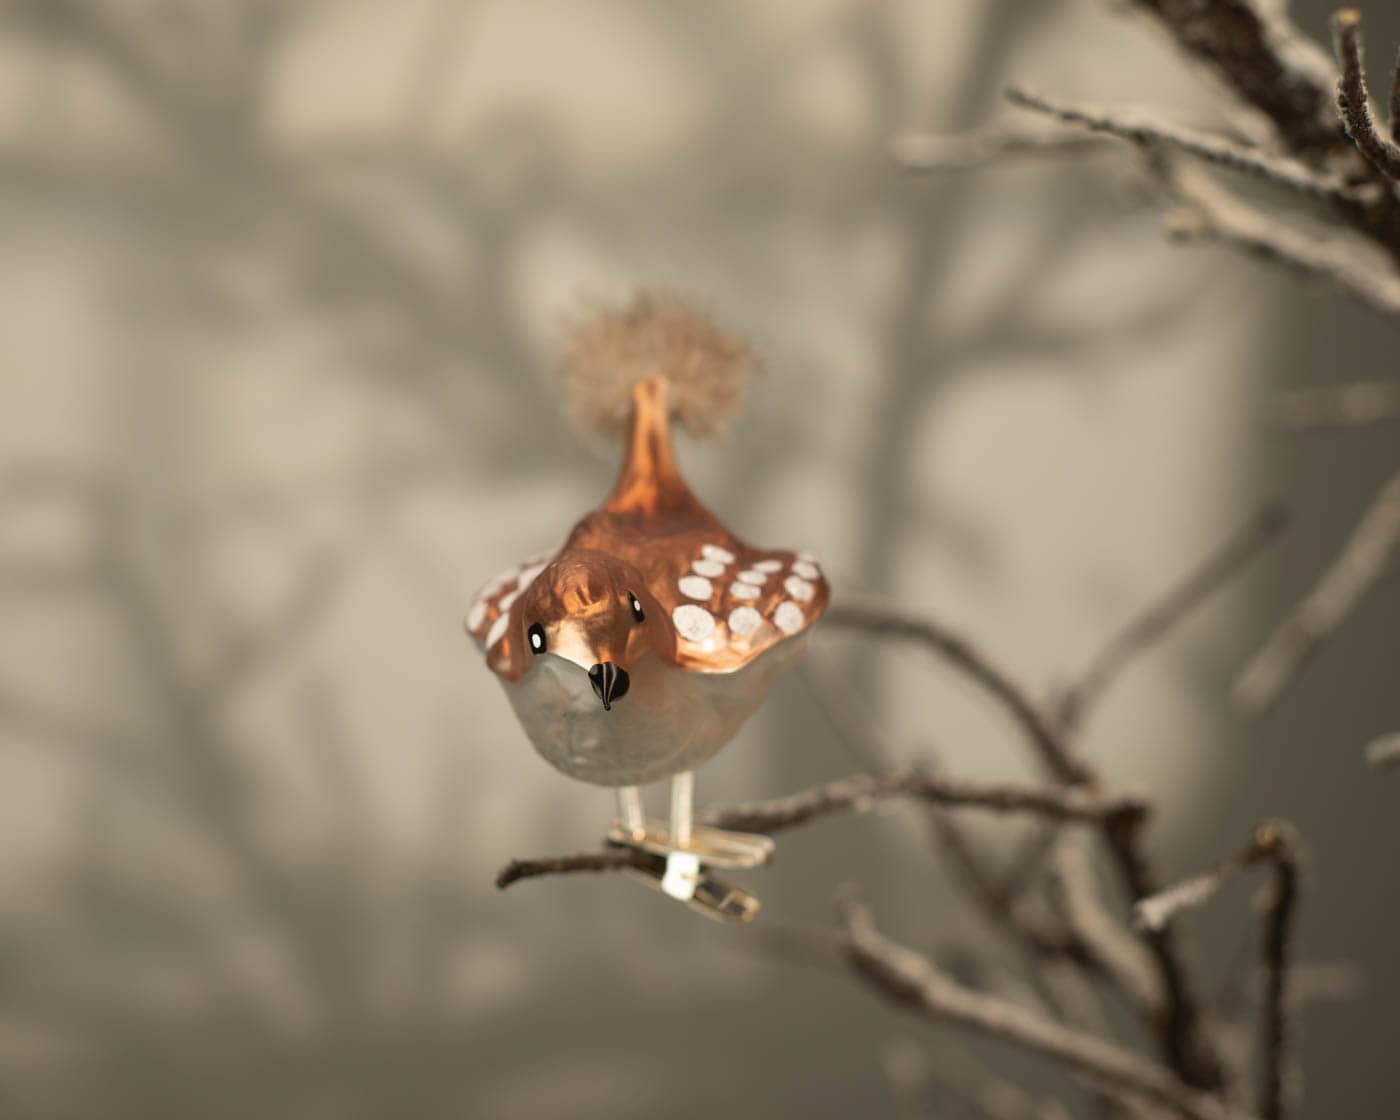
[(612, 349)]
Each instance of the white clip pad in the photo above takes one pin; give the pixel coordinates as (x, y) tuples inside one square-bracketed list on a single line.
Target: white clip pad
[(682, 875)]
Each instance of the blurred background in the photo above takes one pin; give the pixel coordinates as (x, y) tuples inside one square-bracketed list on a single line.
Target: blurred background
[(284, 284)]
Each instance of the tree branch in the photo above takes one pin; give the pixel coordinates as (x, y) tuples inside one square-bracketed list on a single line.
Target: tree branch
[(1048, 740), (863, 792), (1365, 558), (1146, 130), (1275, 843), (1360, 270), (857, 794), (612, 859), (1280, 1075), (1355, 102), (1075, 895), (1179, 1027), (1257, 51), (1394, 107), (913, 981)]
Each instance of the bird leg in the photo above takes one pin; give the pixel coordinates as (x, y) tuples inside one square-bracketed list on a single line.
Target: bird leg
[(681, 836), (682, 866), (629, 811), (682, 807)]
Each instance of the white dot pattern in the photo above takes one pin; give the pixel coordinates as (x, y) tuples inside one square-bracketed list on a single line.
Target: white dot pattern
[(768, 566), (477, 615), (799, 588), (710, 568), (508, 601), (789, 617), (714, 552), (743, 590), (498, 630), (757, 578), (528, 576), (695, 587), (693, 623), (806, 569), (743, 621)]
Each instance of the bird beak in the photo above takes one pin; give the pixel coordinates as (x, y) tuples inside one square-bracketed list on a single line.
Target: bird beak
[(609, 681)]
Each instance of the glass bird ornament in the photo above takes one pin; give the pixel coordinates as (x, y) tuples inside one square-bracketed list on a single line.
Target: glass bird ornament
[(638, 649)]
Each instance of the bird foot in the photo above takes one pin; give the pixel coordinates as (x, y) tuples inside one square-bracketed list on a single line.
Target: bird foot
[(714, 847), (689, 883), (684, 873)]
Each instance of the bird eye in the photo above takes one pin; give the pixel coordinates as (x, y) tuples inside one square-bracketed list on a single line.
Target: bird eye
[(536, 636), (636, 607)]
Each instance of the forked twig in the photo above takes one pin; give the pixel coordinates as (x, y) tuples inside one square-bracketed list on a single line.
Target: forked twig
[(1274, 843), (1179, 1025), (1355, 102), (912, 980)]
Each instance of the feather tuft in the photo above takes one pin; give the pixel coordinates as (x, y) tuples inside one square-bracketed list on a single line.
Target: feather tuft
[(612, 349)]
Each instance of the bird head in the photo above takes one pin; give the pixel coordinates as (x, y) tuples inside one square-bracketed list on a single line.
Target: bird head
[(594, 611)]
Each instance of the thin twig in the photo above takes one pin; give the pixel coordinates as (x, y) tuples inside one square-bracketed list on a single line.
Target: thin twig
[(1055, 751), (1365, 558), (1394, 107), (1274, 843), (1358, 268), (1384, 753), (1354, 101), (1156, 911), (913, 981), (1159, 618), (1190, 1048), (863, 792), (1340, 406), (1279, 1076), (1146, 130), (928, 151), (1075, 895), (613, 859)]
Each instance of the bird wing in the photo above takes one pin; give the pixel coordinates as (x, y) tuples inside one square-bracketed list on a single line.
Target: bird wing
[(488, 618), (730, 602)]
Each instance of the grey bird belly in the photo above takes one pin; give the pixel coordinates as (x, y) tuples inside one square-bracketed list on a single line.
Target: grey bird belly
[(670, 720)]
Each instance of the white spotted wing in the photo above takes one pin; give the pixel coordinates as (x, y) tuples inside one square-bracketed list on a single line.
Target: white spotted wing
[(732, 603), (489, 613)]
